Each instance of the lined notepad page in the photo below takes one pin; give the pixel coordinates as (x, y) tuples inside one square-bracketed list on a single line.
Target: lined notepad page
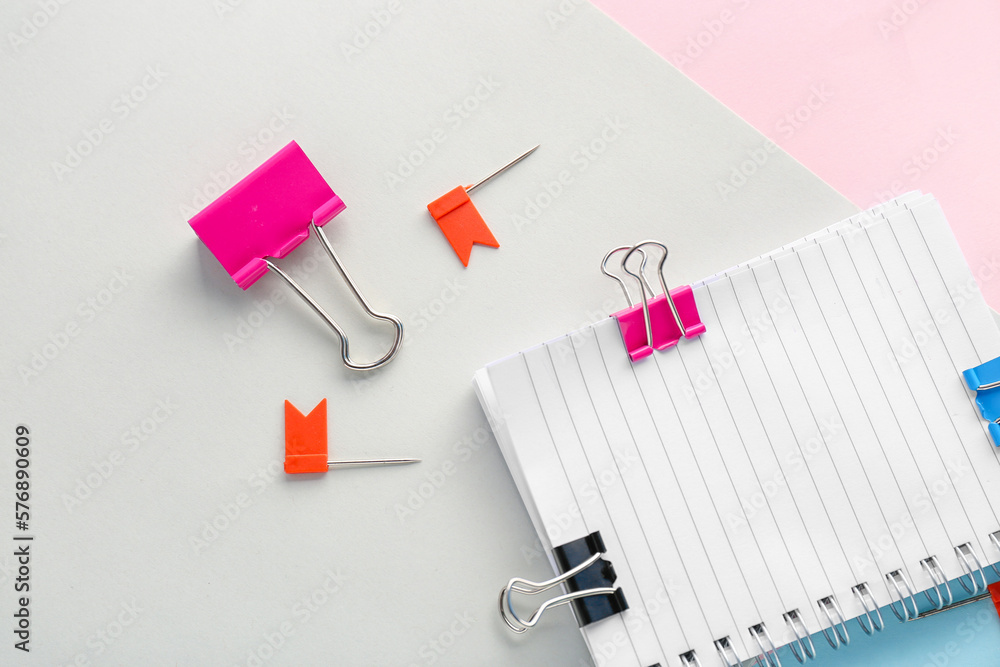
[(816, 437)]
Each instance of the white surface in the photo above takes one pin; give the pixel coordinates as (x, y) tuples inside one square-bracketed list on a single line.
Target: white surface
[(576, 407), (206, 91)]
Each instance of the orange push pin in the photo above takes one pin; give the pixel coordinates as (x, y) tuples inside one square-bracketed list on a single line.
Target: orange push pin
[(306, 443), (461, 222)]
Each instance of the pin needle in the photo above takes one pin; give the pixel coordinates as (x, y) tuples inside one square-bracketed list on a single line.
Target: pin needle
[(504, 168), (358, 463)]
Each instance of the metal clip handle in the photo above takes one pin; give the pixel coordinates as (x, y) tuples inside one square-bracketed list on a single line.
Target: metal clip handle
[(644, 284), (519, 625), (663, 283), (318, 309)]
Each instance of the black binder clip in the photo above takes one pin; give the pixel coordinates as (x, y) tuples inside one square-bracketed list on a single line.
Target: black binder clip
[(588, 578)]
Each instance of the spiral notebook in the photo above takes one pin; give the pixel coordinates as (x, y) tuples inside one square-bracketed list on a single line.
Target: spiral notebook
[(811, 458)]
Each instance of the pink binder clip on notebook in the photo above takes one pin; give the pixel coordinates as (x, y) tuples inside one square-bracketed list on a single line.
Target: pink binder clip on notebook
[(269, 214), (657, 322)]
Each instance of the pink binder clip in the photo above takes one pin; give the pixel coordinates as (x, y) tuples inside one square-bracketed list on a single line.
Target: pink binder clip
[(659, 322), (266, 216)]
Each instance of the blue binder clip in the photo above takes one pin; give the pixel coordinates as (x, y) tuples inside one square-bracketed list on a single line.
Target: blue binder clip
[(984, 379)]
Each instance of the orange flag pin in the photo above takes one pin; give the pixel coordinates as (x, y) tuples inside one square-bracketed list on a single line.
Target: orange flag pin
[(459, 219), (306, 444)]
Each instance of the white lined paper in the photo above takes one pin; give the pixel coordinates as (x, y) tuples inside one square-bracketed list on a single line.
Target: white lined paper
[(817, 436), (917, 403), (861, 386)]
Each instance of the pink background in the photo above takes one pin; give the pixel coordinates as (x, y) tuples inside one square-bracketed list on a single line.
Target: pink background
[(876, 97)]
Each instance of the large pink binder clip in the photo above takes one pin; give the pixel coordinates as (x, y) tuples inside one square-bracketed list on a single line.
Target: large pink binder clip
[(657, 322), (266, 216)]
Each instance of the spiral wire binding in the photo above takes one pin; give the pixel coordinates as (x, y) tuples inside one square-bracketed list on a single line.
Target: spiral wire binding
[(725, 647), (966, 551), (690, 659), (770, 653), (864, 596), (995, 539), (526, 587), (933, 568), (837, 639), (802, 637), (894, 578)]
